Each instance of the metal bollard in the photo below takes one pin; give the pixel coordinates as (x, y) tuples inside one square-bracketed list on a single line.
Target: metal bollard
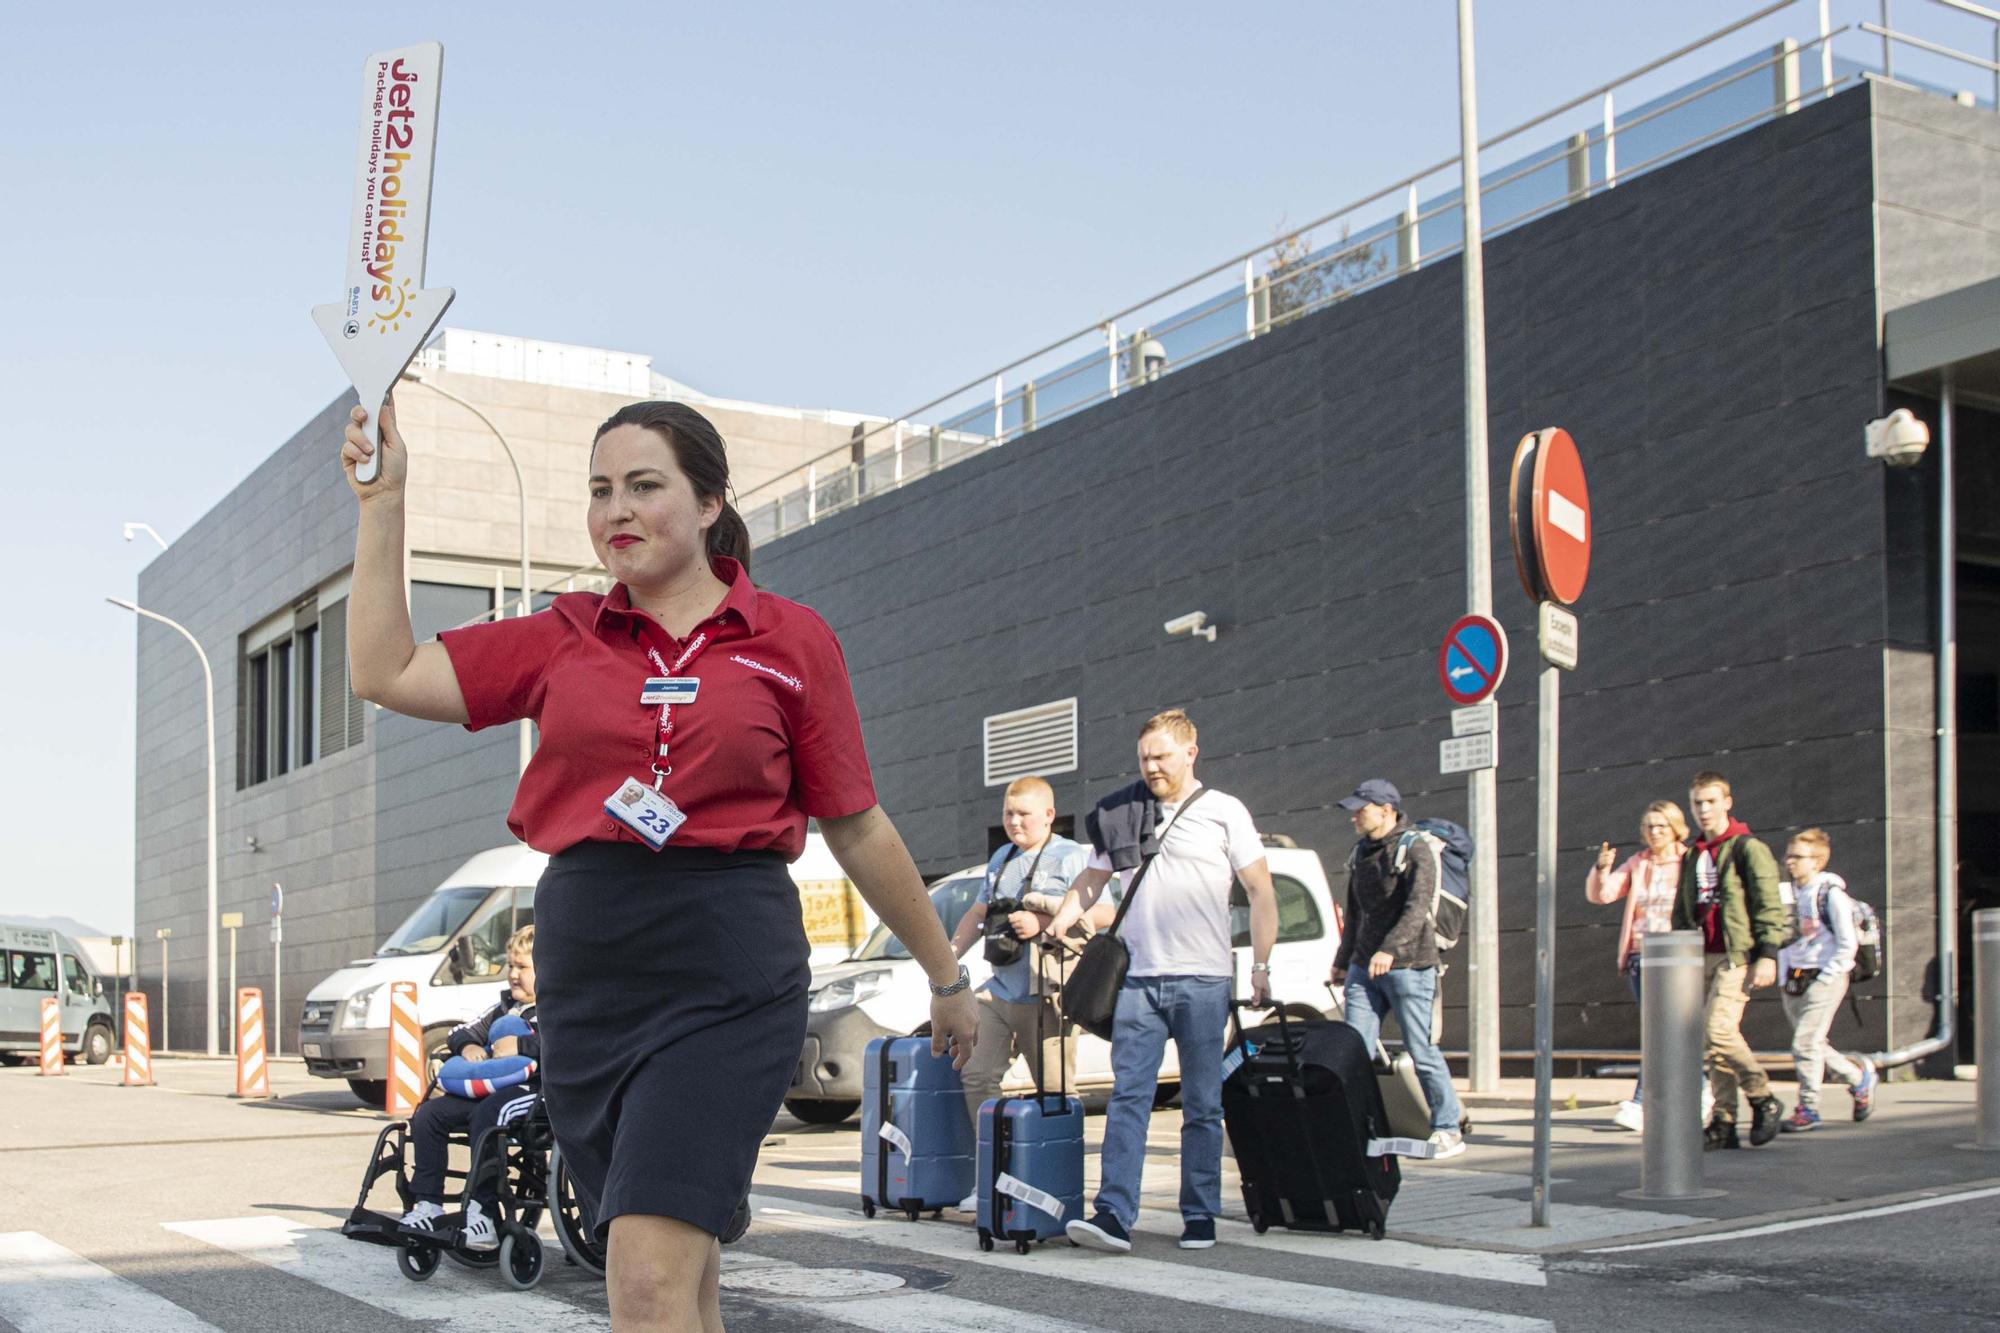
[(1986, 1021), (1670, 1038)]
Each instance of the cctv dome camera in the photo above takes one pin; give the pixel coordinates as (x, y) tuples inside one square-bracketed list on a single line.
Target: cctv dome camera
[(1898, 439)]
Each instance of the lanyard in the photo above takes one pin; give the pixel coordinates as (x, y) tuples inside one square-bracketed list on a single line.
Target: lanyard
[(661, 768)]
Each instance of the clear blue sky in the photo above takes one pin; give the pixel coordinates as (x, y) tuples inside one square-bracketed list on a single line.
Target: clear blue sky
[(821, 205)]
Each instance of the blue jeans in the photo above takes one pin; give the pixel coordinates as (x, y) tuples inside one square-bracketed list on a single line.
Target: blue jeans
[(1409, 992), (1634, 980), (1194, 1011)]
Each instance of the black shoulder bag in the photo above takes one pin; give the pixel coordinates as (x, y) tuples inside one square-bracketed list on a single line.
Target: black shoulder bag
[(1090, 997)]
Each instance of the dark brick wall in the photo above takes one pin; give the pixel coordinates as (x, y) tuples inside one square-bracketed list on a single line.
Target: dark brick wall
[(1708, 335)]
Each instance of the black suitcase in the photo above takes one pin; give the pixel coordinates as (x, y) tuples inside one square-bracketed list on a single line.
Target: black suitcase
[(1301, 1105)]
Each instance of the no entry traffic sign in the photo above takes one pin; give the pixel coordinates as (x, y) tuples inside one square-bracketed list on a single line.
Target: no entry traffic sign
[(1548, 509), (1473, 659)]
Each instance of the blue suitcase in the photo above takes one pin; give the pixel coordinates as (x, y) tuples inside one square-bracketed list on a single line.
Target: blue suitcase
[(916, 1145), (1030, 1168)]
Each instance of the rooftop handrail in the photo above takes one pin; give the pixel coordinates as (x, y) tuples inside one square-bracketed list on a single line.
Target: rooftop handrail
[(1292, 285)]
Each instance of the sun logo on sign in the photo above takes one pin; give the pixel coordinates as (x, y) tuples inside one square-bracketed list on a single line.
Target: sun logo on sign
[(387, 321)]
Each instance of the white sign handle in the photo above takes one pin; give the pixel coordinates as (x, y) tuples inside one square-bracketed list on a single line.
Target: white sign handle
[(388, 313)]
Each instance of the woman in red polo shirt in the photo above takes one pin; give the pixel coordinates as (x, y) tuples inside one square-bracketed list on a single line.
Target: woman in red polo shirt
[(690, 725)]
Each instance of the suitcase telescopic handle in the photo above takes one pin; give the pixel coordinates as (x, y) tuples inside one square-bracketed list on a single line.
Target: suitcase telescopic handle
[(1236, 1008)]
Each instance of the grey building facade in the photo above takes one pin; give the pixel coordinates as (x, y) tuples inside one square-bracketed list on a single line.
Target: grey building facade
[(1760, 598)]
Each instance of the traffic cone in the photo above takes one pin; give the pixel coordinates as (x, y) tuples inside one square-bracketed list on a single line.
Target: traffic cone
[(406, 1051), (253, 1074), (52, 1051), (138, 1042)]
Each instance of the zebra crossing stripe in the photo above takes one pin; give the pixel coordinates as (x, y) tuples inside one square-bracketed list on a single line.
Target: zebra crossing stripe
[(482, 1304), (45, 1288), (1433, 1260), (790, 1286), (1308, 1303)]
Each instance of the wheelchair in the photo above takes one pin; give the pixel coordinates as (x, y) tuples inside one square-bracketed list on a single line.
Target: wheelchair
[(521, 1160)]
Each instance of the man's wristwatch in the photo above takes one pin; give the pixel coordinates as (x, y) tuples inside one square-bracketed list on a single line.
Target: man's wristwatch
[(1260, 967), (964, 980)]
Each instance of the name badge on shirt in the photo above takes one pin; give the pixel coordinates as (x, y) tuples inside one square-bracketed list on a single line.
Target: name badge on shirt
[(646, 812), (670, 690)]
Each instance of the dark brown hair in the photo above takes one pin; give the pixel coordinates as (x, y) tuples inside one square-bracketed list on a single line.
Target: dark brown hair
[(702, 456)]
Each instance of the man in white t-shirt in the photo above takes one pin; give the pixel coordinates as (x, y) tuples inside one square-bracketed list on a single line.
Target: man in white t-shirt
[(1182, 973)]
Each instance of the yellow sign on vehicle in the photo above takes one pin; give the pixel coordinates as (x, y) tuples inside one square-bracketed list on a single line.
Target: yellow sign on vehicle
[(834, 914)]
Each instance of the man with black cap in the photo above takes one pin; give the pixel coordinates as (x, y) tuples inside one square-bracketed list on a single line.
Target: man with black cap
[(1388, 957)]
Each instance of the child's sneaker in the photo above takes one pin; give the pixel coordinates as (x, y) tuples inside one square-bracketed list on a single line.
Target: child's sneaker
[(1864, 1091), (1630, 1115), (424, 1217), (1802, 1119), (478, 1232)]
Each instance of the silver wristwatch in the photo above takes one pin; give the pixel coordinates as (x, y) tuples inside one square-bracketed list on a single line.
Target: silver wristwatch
[(964, 980)]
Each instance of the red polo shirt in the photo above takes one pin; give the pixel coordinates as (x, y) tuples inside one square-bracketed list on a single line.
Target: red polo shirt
[(771, 738)]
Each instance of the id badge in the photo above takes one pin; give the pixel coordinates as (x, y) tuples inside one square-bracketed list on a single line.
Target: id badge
[(646, 812), (670, 690)]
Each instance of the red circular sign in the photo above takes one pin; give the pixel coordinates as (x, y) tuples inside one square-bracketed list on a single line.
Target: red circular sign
[(1473, 659), (1550, 510)]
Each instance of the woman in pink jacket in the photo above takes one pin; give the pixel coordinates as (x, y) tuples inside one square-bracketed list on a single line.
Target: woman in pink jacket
[(1647, 882)]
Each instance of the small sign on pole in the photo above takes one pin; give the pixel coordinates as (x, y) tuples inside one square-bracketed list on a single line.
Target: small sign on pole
[(1474, 720), (1558, 636), (1472, 661), (1469, 754)]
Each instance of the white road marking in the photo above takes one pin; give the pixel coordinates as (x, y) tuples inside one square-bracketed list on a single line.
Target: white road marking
[(458, 1300), (45, 1288), (1800, 1224), (1324, 1306), (1482, 1265), (877, 1306)]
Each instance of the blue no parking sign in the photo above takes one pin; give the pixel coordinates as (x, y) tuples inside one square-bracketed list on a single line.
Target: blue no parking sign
[(1473, 659)]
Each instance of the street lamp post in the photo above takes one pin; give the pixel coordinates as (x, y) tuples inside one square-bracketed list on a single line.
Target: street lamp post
[(208, 699), (526, 604), (133, 529)]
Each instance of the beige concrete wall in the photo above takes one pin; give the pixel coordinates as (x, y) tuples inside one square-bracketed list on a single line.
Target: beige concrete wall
[(462, 495)]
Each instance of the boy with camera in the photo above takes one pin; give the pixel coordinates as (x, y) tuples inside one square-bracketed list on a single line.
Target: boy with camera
[(1815, 968), (1025, 883)]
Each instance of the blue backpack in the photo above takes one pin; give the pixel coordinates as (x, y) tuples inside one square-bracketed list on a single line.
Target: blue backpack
[(1453, 846)]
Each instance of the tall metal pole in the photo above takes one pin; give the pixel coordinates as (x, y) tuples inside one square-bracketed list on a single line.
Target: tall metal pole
[(1483, 972), (1986, 1024), (526, 604), (208, 700), (1545, 932)]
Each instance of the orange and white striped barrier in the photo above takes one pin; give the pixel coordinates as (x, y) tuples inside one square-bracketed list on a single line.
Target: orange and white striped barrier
[(138, 1042), (406, 1051), (52, 1051), (253, 1073)]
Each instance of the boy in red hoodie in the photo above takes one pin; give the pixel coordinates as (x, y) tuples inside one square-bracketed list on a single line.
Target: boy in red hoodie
[(1729, 892)]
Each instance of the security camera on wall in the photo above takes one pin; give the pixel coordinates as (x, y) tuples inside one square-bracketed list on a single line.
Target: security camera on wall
[(1898, 439), (1194, 624)]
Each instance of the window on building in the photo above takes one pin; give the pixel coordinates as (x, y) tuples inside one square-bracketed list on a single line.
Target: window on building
[(283, 720), (443, 606)]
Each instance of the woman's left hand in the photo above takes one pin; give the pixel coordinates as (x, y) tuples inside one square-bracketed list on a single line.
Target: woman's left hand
[(954, 1026)]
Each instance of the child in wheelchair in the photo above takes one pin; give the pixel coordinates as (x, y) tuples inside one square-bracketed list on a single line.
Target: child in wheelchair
[(488, 1098), (489, 1081)]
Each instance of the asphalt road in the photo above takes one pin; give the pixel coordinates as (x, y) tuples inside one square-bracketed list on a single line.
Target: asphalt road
[(177, 1208)]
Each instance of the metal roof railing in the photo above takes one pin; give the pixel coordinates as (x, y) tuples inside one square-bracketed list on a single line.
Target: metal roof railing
[(1250, 294)]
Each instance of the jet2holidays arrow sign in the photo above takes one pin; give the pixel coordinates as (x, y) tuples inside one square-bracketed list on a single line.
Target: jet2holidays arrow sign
[(387, 312), (1473, 659)]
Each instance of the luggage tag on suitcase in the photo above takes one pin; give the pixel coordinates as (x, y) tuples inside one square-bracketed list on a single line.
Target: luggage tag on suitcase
[(895, 1138), (1400, 1148), (651, 815), (1028, 1194), (1234, 1060)]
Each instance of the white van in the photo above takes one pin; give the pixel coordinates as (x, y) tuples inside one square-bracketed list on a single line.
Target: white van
[(453, 947), (38, 964), (880, 991)]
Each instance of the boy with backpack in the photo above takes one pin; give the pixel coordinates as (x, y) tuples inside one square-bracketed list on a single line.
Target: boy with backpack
[(1389, 942), (1816, 967)]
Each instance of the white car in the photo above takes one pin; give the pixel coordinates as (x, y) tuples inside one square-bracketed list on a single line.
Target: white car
[(880, 991)]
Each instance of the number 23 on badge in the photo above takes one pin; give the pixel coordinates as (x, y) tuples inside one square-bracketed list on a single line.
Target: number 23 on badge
[(646, 812)]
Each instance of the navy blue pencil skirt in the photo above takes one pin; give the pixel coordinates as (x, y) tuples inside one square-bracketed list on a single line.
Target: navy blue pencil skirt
[(671, 989)]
